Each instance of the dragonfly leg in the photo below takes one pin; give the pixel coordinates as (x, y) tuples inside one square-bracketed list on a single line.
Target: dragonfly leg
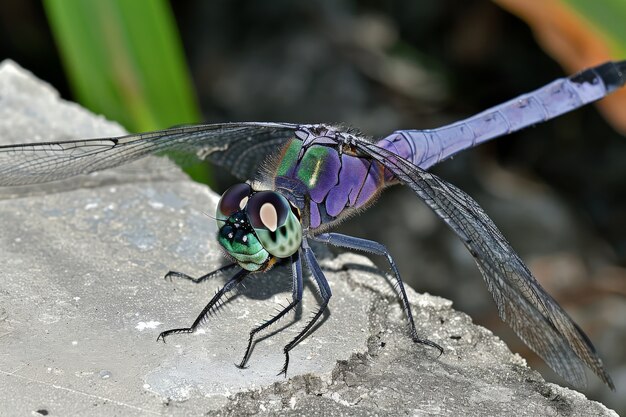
[(370, 246), (296, 267), (174, 274), (325, 293), (231, 284)]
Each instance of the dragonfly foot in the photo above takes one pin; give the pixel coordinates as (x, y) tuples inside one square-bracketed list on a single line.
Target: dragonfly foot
[(166, 333), (246, 357), (429, 343), (175, 274), (283, 371)]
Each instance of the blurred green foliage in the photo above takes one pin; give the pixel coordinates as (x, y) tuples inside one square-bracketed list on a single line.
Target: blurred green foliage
[(124, 59), (608, 17)]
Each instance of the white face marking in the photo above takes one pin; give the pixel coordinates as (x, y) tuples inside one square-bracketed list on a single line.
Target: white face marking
[(269, 217), (243, 202)]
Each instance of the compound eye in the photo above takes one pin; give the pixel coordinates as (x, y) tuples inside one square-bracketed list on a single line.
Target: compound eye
[(234, 199), (267, 210)]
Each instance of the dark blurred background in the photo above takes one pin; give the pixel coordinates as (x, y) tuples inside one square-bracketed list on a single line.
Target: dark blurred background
[(557, 190)]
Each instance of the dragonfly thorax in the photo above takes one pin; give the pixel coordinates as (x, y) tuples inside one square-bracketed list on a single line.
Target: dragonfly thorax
[(257, 226)]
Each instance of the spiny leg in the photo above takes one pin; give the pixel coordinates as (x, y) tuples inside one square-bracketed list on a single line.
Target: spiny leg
[(296, 268), (370, 246), (232, 283), (325, 293), (174, 274)]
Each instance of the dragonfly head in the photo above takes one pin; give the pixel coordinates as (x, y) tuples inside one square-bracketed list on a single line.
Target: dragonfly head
[(256, 227)]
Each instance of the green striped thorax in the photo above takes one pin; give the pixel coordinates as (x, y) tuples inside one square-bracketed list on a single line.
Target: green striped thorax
[(256, 227)]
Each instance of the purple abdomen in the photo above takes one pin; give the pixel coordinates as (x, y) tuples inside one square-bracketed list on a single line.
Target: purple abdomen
[(426, 148)]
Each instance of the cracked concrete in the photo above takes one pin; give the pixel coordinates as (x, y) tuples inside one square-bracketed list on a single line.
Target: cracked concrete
[(82, 300)]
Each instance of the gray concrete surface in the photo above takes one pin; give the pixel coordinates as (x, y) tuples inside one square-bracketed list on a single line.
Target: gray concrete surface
[(82, 300)]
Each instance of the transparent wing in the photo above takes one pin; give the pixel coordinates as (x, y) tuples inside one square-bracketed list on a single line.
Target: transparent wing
[(239, 147), (522, 303)]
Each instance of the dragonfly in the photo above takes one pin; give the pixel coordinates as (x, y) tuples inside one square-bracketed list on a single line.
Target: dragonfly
[(300, 180)]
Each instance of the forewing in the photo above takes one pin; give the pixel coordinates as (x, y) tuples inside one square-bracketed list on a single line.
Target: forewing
[(522, 303), (239, 147)]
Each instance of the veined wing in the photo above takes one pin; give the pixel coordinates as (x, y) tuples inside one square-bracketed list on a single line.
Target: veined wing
[(240, 147), (522, 303)]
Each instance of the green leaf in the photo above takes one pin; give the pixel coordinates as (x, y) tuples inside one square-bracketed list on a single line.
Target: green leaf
[(124, 59), (608, 17)]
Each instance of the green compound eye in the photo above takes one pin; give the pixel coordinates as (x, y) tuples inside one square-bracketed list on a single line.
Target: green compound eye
[(276, 226), (267, 210), (233, 200)]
